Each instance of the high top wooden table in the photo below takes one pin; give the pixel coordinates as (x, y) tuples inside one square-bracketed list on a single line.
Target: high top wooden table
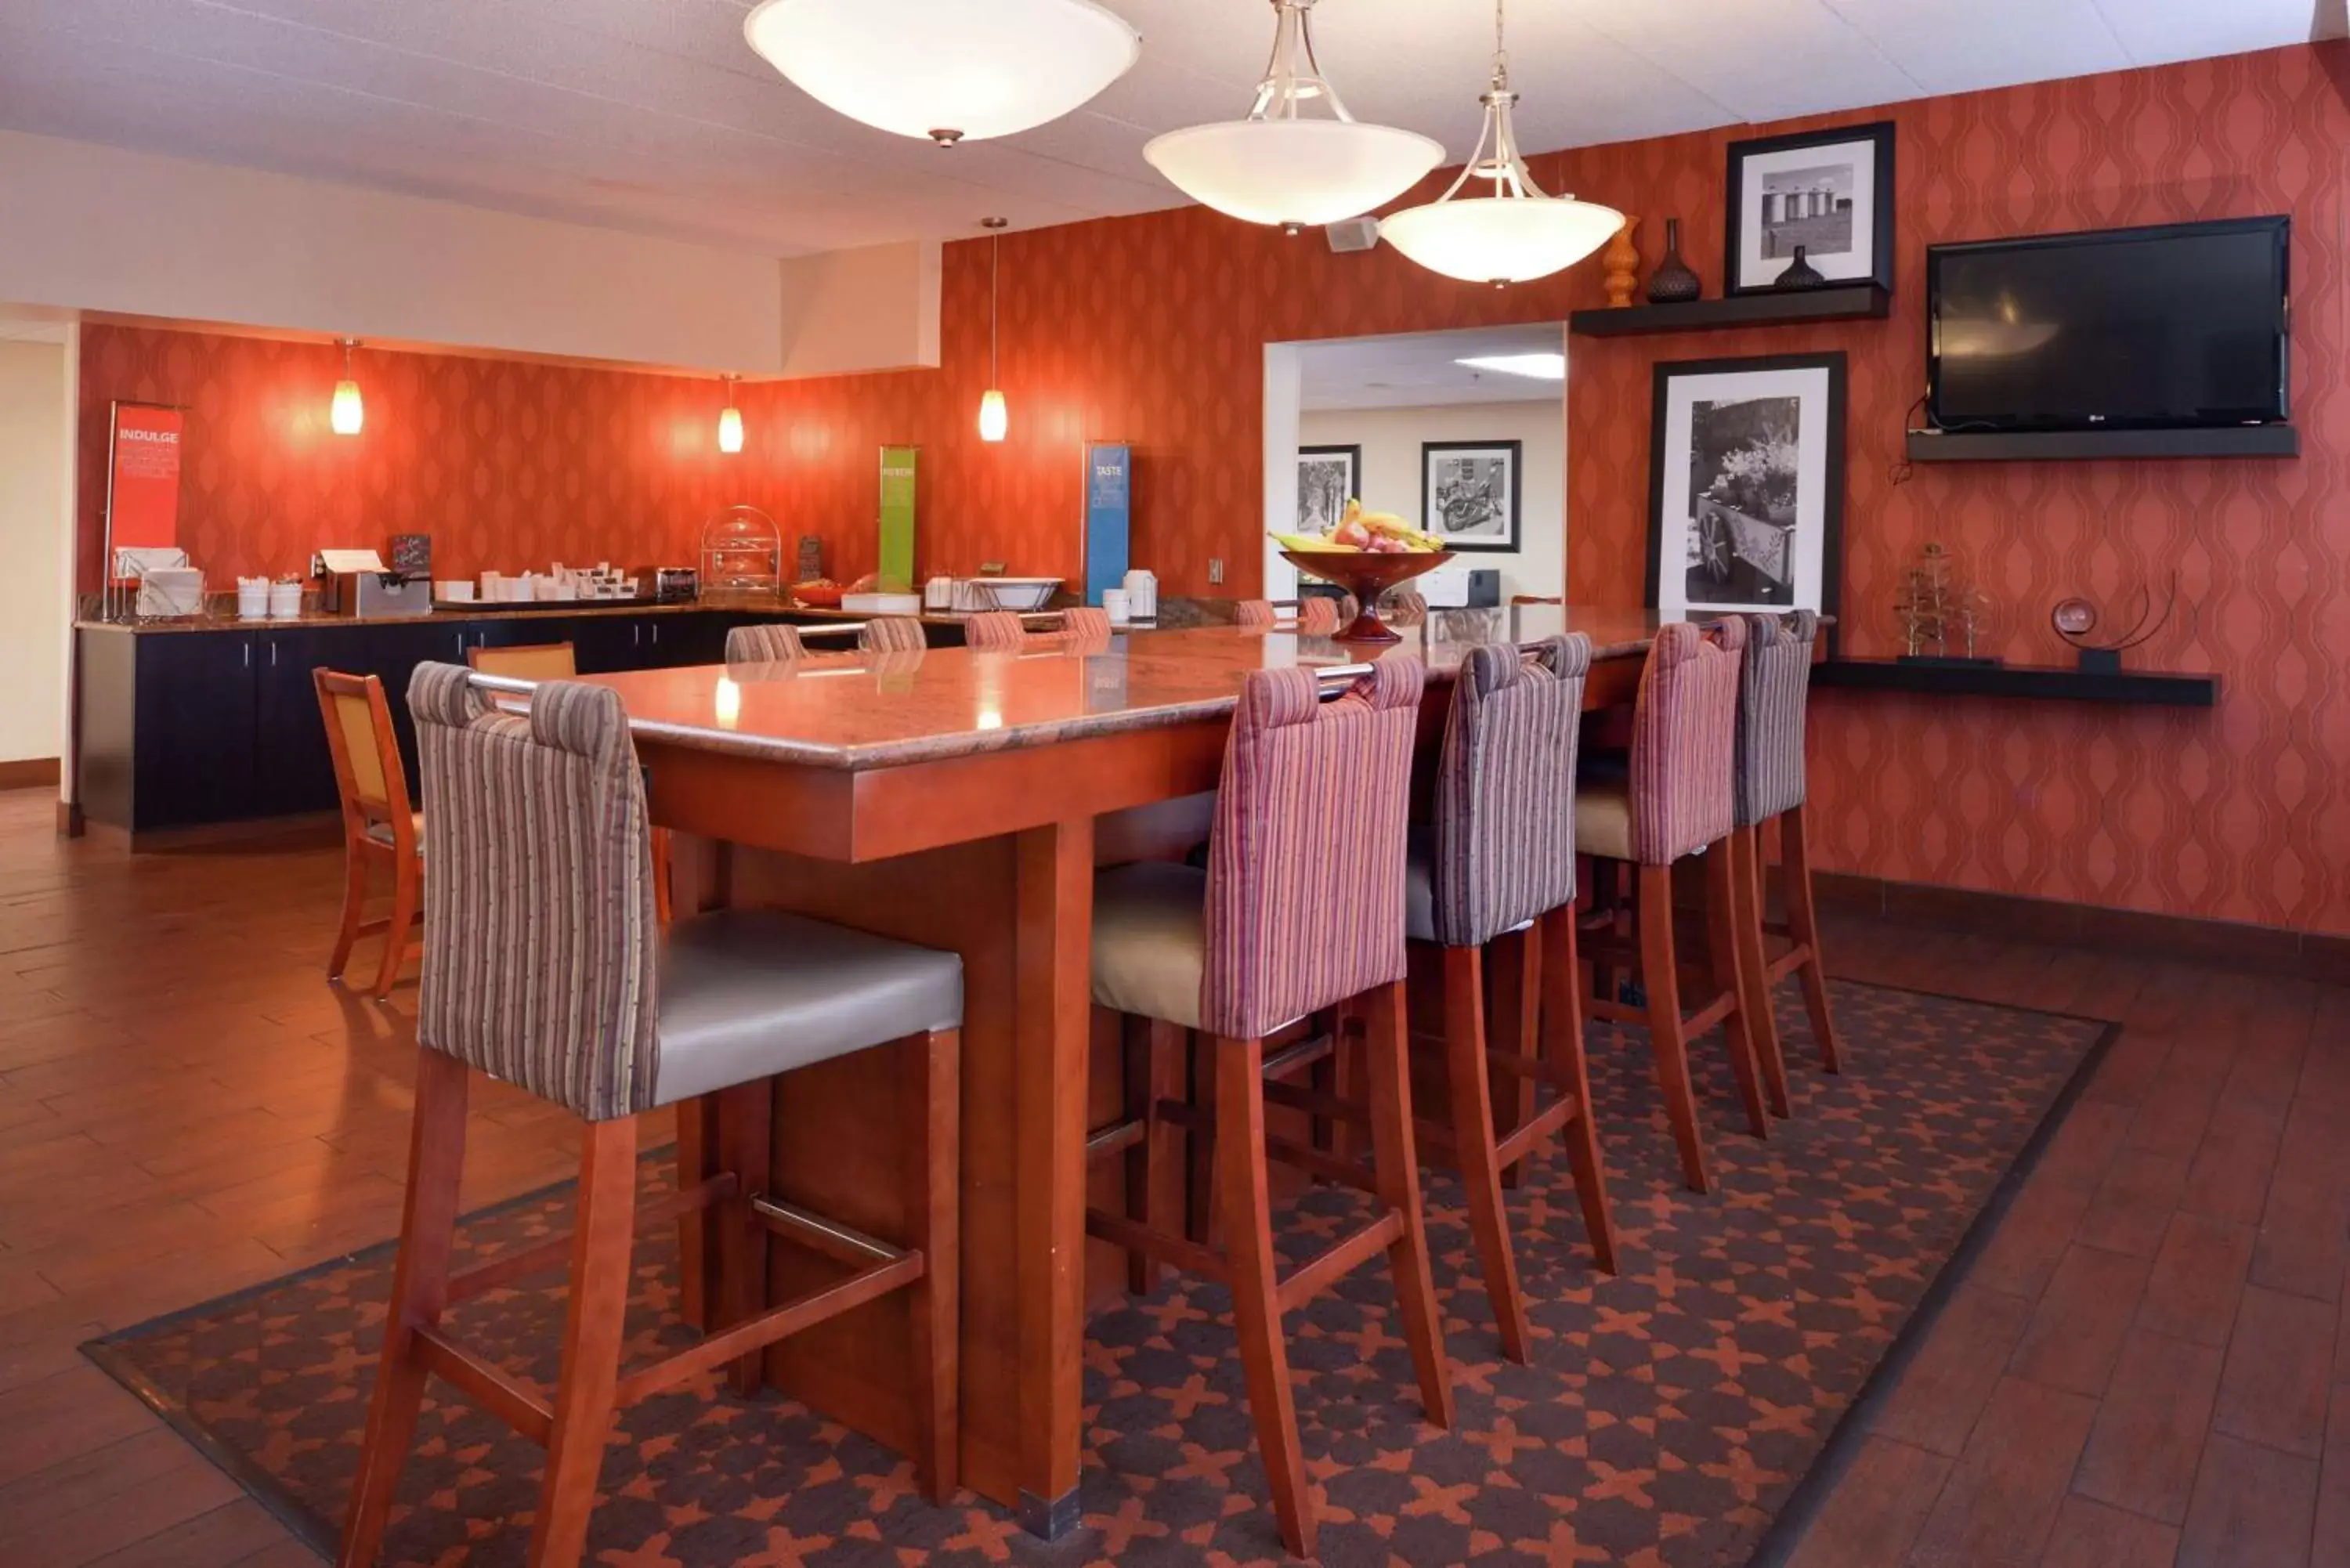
[(961, 799)]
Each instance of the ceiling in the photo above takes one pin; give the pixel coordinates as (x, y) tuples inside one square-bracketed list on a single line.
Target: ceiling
[(1423, 369), (654, 116)]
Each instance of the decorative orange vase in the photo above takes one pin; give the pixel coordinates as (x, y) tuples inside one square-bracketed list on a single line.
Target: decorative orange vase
[(1622, 261)]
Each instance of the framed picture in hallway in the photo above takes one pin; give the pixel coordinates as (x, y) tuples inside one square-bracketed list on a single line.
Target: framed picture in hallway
[(1470, 493), (1828, 193), (1746, 485), (1328, 478)]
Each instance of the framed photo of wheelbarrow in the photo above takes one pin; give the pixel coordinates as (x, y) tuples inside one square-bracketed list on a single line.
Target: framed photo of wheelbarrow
[(1746, 485)]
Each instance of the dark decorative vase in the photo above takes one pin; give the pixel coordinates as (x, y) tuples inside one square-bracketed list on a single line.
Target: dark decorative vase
[(1800, 274), (1673, 283)]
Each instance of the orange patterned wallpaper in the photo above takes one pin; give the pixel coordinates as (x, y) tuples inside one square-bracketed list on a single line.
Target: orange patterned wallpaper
[(1150, 330)]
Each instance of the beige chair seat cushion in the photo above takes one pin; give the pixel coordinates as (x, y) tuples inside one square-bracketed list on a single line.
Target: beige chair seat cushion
[(748, 993), (381, 831), (1603, 818), (1151, 941)]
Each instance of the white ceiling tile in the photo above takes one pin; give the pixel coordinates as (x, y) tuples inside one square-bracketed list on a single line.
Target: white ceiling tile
[(654, 115), (1988, 43)]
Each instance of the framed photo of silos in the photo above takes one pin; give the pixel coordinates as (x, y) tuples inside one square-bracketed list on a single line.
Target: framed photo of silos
[(1829, 193), (1746, 486)]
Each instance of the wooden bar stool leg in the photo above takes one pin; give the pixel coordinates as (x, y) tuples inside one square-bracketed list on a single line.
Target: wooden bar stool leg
[(1203, 1214), (419, 1281), (406, 887), (1466, 1073), (1563, 1048), (700, 1300), (355, 892), (746, 1117), (1247, 1202), (1729, 975), (932, 1129), (592, 1334), (1517, 1020), (1803, 926), (1753, 972), (1154, 1167), (1660, 979), (1395, 1166)]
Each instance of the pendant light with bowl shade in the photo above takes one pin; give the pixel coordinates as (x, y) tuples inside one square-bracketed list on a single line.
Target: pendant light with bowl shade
[(994, 414), (347, 415), (1282, 166), (730, 421), (945, 70), (1517, 233)]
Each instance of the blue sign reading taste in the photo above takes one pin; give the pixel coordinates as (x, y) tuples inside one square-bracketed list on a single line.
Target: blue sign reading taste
[(1110, 515)]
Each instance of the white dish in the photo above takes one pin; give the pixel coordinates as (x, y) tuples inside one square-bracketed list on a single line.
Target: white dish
[(883, 604), (1008, 593)]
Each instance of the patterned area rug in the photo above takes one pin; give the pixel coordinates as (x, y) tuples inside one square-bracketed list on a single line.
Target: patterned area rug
[(1668, 1419)]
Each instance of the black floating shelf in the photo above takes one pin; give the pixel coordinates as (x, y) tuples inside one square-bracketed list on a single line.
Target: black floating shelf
[(2047, 682), (1838, 302), (2040, 446)]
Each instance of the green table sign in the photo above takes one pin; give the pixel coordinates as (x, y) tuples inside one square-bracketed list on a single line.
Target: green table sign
[(897, 518)]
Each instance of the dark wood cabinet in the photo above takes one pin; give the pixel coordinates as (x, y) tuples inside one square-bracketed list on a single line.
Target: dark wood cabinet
[(190, 727)]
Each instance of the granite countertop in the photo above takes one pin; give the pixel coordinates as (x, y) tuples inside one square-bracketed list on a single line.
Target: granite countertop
[(739, 603), (871, 711)]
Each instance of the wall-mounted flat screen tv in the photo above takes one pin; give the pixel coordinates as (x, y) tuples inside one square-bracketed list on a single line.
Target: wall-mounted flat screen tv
[(2176, 326)]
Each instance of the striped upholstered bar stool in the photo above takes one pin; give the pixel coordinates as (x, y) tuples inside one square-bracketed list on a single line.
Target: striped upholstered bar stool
[(1254, 614), (766, 642), (994, 628), (1676, 803), (543, 968), (1774, 684), (892, 634), (1500, 865), (1317, 616), (1300, 909)]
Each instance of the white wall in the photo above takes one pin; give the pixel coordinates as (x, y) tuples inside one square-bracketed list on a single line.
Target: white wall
[(34, 442), (98, 228), (1392, 437)]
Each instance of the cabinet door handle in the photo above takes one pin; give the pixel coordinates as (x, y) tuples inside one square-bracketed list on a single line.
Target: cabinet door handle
[(272, 656), (636, 635), (461, 645), (656, 634), (248, 655)]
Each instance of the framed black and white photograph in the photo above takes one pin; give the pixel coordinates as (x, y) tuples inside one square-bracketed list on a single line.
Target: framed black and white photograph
[(1828, 193), (1328, 478), (1470, 493), (1746, 485)]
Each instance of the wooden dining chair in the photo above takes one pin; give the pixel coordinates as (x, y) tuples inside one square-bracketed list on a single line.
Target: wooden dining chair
[(764, 642), (1299, 909), (1675, 803), (567, 988), (380, 828), (892, 634), (555, 661), (1774, 688), (525, 662), (1497, 869), (994, 628)]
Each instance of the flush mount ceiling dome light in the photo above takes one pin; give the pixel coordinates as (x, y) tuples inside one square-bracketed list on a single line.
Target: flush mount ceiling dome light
[(945, 70), (1515, 234), (1279, 166)]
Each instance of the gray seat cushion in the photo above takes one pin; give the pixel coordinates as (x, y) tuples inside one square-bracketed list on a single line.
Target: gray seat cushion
[(747, 993), (1420, 885), (1151, 941)]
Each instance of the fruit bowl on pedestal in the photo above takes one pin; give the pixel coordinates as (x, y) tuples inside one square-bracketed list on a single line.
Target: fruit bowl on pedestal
[(1366, 574)]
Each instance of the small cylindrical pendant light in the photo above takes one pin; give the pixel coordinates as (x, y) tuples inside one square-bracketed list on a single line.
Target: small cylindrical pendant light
[(994, 414), (347, 413), (730, 423)]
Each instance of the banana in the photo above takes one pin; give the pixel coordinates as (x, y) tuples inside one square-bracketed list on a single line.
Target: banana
[(1313, 542)]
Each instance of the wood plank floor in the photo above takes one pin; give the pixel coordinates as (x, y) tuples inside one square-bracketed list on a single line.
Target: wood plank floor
[(2149, 1365)]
